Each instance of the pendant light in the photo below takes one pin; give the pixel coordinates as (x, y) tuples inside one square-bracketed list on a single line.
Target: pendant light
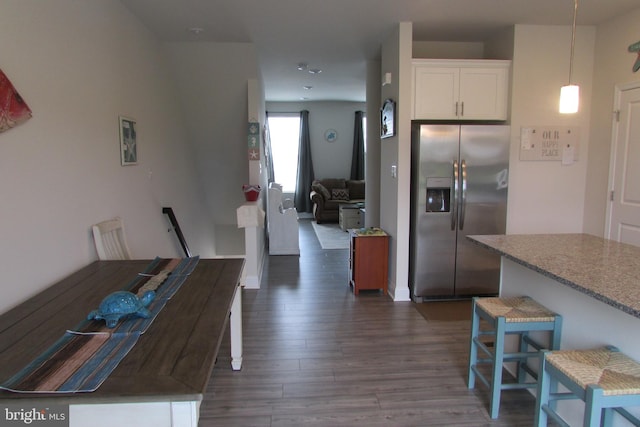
[(570, 94)]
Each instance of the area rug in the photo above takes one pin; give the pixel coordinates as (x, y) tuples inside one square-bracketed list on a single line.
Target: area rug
[(331, 236), (445, 310)]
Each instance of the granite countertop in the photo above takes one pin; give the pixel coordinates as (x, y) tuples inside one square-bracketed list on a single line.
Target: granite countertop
[(604, 269)]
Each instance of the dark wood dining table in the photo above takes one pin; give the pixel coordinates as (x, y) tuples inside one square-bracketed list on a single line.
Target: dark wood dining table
[(167, 370)]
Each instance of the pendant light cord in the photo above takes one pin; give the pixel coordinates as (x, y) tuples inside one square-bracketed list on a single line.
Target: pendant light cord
[(573, 37)]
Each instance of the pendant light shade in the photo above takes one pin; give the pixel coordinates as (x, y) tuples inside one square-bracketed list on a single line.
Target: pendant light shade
[(569, 99), (570, 94)]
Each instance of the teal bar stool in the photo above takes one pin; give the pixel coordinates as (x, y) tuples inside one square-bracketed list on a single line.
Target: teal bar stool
[(604, 378), (506, 316)]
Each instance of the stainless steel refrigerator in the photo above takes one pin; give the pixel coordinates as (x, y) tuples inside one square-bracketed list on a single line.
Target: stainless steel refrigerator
[(459, 178)]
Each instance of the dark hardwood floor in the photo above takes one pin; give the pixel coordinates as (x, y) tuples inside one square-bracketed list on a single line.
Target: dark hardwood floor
[(316, 355)]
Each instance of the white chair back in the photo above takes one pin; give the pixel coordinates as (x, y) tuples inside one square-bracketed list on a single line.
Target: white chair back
[(110, 240), (282, 223)]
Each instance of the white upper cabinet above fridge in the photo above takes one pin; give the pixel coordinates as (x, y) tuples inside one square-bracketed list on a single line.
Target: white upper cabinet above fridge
[(460, 89)]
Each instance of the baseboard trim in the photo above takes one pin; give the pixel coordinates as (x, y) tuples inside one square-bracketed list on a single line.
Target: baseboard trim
[(253, 281)]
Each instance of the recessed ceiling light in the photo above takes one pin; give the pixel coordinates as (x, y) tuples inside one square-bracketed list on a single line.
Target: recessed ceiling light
[(315, 71), (302, 66), (196, 30), (307, 87), (303, 98)]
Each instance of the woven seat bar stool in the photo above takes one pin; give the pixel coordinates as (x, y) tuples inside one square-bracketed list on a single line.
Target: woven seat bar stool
[(505, 316), (604, 378)]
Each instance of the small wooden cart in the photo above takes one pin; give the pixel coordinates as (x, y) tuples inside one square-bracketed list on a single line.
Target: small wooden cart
[(368, 259)]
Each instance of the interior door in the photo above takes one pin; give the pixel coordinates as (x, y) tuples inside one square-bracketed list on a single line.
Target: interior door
[(624, 208)]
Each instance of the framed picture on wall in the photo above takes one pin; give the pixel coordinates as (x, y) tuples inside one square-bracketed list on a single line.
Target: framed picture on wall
[(387, 119), (128, 141)]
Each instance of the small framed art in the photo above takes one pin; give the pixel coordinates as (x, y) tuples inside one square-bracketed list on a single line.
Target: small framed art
[(387, 119), (128, 141), (330, 135)]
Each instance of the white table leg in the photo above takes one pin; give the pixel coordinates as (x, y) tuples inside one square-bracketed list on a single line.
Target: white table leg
[(185, 414), (235, 324)]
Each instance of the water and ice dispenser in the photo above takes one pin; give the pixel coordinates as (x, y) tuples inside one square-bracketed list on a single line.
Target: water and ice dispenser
[(438, 194)]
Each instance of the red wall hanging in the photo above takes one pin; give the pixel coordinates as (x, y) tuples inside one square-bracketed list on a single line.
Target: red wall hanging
[(13, 109)]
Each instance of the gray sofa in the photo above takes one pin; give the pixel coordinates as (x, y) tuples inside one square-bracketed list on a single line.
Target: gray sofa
[(329, 193)]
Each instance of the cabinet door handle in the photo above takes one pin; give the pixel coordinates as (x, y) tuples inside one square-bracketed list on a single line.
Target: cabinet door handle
[(462, 109), (456, 108)]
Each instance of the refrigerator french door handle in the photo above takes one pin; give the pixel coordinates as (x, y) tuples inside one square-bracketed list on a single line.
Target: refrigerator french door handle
[(454, 196), (463, 195)]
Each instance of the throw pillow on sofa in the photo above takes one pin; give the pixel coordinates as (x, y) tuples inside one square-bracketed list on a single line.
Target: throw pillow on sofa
[(319, 188), (340, 194)]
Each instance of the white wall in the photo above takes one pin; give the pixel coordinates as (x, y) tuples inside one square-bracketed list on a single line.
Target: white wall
[(79, 65), (212, 79), (396, 151), (330, 159), (613, 64), (447, 50), (372, 160), (256, 113), (500, 44), (544, 196)]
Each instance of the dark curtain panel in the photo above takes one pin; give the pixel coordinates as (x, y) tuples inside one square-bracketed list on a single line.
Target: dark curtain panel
[(268, 156), (305, 167), (357, 159)]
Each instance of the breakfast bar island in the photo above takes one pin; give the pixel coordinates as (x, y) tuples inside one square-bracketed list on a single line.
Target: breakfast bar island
[(593, 283)]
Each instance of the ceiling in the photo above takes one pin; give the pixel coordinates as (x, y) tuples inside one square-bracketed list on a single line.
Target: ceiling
[(339, 36)]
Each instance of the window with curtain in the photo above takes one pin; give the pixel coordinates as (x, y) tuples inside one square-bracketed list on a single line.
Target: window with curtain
[(359, 146), (284, 130)]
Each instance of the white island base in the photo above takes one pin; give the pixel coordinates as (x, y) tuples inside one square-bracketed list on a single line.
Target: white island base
[(586, 322)]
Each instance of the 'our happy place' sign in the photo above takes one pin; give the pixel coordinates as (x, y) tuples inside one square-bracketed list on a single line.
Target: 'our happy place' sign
[(549, 143)]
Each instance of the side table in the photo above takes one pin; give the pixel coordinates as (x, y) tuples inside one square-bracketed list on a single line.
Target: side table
[(368, 259), (349, 215)]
